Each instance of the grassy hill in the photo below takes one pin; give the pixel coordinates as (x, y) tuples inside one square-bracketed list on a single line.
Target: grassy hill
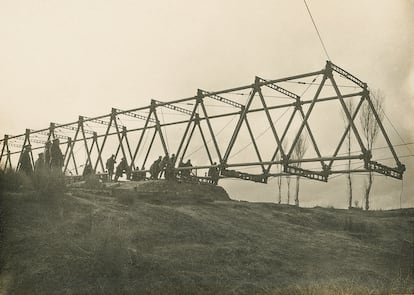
[(164, 238)]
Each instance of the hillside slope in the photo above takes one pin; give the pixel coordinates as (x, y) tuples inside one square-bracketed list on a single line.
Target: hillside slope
[(157, 239)]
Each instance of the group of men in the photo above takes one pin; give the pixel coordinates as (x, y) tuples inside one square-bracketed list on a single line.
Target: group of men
[(163, 166), (121, 168), (185, 172), (213, 173), (50, 159)]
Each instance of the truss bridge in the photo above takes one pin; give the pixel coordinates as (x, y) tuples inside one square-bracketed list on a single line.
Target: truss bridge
[(250, 132)]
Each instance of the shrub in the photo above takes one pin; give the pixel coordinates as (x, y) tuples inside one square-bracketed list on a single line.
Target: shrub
[(48, 184), (44, 184), (14, 181), (107, 258)]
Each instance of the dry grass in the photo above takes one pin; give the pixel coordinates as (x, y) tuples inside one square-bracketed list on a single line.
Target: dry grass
[(86, 243)]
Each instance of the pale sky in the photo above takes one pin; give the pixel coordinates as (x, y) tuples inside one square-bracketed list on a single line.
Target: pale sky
[(61, 59)]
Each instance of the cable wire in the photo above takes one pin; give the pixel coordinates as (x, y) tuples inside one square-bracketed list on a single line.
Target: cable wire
[(317, 31)]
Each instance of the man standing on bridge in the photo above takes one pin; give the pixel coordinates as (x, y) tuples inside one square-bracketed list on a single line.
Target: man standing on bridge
[(25, 161), (56, 156), (47, 154), (40, 163), (163, 166), (155, 168), (122, 166), (110, 165), (214, 174)]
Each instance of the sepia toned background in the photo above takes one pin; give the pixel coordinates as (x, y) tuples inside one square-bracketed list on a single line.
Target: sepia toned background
[(61, 59)]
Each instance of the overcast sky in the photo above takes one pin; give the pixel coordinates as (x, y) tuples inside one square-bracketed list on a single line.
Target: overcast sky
[(61, 59)]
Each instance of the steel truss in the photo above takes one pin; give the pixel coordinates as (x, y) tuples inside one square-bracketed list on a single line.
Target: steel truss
[(197, 117)]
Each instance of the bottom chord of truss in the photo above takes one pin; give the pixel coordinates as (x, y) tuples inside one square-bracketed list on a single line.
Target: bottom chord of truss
[(245, 176), (388, 171), (321, 176)]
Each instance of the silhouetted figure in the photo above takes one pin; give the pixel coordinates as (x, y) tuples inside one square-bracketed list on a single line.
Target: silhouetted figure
[(138, 175), (163, 165), (180, 165), (110, 165), (187, 172), (128, 172), (213, 172), (46, 152), (56, 156), (155, 168), (172, 159), (25, 161), (122, 166), (40, 163), (169, 169)]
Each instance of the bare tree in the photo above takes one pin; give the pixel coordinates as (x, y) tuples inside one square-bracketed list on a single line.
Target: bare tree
[(279, 178), (288, 188), (350, 107), (370, 130), (279, 182), (299, 151)]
